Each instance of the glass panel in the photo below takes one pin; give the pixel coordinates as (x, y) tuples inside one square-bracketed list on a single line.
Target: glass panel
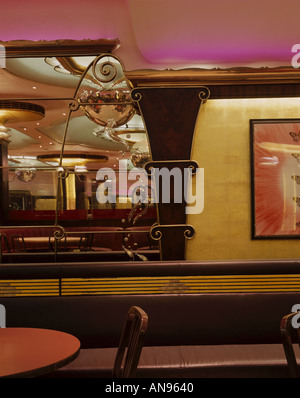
[(76, 170), (35, 137)]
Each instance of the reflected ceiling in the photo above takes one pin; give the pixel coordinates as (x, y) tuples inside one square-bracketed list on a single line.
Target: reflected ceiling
[(37, 80)]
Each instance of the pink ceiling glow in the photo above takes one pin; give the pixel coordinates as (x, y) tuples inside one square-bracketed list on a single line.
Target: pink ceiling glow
[(165, 33), (216, 30), (61, 19)]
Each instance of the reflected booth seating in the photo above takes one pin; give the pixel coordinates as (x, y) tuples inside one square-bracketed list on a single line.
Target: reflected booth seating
[(42, 239)]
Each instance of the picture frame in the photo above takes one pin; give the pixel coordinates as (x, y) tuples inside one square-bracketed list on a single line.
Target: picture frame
[(275, 178)]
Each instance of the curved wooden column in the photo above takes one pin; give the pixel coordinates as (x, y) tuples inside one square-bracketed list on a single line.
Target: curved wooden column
[(170, 115), (4, 197)]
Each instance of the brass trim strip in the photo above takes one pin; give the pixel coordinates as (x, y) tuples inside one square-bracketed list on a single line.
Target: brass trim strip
[(181, 285), (29, 287), (151, 285)]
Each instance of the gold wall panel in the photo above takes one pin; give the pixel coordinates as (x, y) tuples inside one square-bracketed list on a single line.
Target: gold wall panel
[(222, 147)]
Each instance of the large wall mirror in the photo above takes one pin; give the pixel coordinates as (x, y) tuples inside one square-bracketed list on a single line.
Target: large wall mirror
[(53, 149)]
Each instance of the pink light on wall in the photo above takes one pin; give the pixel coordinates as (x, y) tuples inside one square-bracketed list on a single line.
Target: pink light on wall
[(215, 30)]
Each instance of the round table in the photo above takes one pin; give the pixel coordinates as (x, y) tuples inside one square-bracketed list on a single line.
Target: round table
[(29, 352)]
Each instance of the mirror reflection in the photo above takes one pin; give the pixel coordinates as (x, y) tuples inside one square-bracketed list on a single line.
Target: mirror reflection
[(73, 146)]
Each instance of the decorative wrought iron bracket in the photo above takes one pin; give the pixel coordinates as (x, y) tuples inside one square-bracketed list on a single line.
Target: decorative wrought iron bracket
[(156, 231)]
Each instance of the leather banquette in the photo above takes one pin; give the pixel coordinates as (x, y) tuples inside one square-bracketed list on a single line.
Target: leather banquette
[(206, 319)]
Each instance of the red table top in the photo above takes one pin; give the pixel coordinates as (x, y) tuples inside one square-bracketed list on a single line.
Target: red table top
[(27, 352)]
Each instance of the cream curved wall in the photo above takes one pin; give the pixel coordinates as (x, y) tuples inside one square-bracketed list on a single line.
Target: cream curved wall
[(222, 147)]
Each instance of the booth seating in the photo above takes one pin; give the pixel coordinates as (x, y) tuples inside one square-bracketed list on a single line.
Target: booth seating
[(15, 242), (206, 319), (290, 334), (98, 238), (5, 246), (81, 238), (131, 343), (138, 238)]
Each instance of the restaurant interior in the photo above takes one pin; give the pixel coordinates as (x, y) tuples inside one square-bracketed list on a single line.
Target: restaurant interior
[(149, 171)]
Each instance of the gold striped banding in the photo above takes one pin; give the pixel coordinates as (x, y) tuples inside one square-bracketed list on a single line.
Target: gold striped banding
[(29, 287), (151, 285), (181, 285)]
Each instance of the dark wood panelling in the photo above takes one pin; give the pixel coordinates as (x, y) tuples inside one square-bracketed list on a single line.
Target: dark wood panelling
[(4, 193), (170, 115)]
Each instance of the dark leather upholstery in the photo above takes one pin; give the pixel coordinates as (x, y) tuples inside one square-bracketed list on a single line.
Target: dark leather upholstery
[(232, 361), (189, 335), (174, 319)]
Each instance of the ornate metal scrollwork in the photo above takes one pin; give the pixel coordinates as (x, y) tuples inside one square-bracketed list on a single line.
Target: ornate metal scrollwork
[(156, 232), (189, 232), (73, 105), (204, 93), (107, 69), (63, 173), (59, 233), (192, 165), (136, 95)]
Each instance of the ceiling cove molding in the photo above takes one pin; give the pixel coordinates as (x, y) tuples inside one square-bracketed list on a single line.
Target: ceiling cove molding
[(239, 82), (42, 48), (215, 76)]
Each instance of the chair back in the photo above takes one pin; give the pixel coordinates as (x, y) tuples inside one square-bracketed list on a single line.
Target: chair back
[(131, 343), (18, 243), (288, 333)]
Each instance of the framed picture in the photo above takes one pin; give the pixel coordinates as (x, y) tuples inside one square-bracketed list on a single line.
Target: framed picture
[(275, 178)]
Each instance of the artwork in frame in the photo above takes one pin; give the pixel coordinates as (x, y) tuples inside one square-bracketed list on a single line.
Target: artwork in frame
[(275, 172)]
